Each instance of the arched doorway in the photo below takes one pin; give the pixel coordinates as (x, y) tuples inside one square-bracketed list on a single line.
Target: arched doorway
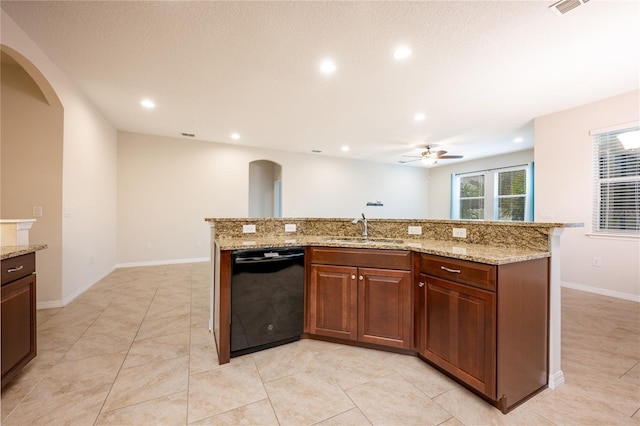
[(265, 189)]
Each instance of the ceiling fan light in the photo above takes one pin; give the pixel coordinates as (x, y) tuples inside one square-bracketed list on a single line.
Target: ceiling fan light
[(630, 140), (428, 161)]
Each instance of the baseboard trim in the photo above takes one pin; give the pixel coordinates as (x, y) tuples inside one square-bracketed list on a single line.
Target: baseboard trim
[(49, 304), (162, 262), (78, 292), (602, 291), (556, 380)]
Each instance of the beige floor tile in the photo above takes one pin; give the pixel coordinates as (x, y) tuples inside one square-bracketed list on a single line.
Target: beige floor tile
[(353, 417), (616, 393), (632, 375), (257, 414), (470, 409), (45, 314), (423, 376), (203, 357), (61, 337), (568, 405), (284, 361), (14, 392), (351, 366), (75, 407), (146, 382), (223, 389), (166, 410), (156, 327), (94, 344), (157, 349), (393, 400), (306, 398)]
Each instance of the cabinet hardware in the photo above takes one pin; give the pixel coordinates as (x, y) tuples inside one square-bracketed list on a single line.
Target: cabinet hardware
[(353, 277), (361, 278), (421, 284), (455, 271), (19, 268)]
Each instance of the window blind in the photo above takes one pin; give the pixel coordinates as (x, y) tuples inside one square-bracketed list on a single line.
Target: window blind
[(616, 184)]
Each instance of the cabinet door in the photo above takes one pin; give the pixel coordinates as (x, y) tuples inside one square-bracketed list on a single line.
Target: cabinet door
[(18, 325), (333, 301), (384, 307), (458, 332)]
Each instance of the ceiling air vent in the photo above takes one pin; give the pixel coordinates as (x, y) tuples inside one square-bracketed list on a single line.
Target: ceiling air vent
[(564, 6), (188, 135)]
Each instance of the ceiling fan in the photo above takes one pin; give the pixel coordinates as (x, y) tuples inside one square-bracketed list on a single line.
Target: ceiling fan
[(429, 157)]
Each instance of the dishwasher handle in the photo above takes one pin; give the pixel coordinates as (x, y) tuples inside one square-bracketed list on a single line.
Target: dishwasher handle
[(262, 259)]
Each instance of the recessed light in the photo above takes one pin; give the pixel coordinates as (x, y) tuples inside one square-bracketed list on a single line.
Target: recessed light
[(402, 52), (345, 148), (518, 140), (147, 103), (328, 66), (235, 136), (419, 116)]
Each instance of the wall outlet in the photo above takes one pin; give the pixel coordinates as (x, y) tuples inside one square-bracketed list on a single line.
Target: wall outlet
[(37, 211), (415, 230), (248, 229), (596, 261), (289, 227), (460, 232), (546, 214)]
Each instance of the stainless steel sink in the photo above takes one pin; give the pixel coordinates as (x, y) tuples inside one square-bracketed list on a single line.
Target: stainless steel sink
[(359, 240)]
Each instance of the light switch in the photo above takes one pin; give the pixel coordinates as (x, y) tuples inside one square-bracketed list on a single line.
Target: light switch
[(290, 227), (248, 229)]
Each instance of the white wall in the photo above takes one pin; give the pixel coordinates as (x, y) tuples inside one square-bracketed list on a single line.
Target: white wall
[(88, 178), (440, 178), (563, 187), (168, 186)]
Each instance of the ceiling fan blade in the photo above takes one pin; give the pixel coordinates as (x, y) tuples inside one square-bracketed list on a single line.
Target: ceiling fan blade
[(411, 156), (408, 161), (450, 157), (440, 153)]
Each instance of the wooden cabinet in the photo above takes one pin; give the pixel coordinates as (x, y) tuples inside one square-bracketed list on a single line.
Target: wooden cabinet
[(486, 325), (459, 332), (350, 299), (18, 314)]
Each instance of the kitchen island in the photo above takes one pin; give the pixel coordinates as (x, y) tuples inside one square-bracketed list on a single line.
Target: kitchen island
[(18, 308), (476, 307)]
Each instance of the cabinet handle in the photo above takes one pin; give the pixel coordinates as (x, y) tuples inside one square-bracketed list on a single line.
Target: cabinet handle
[(361, 278), (455, 271), (15, 269), (353, 277), (421, 284)]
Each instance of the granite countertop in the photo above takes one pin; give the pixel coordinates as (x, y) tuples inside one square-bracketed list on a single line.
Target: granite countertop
[(481, 253), (14, 251)]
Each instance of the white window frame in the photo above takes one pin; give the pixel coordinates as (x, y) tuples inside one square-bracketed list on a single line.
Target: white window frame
[(605, 136), (491, 192), (528, 197)]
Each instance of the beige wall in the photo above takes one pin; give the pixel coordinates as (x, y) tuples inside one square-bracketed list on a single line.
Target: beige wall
[(167, 186), (31, 170), (89, 175), (440, 178), (563, 187)]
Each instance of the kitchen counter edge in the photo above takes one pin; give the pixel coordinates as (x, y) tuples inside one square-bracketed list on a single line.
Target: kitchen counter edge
[(9, 252)]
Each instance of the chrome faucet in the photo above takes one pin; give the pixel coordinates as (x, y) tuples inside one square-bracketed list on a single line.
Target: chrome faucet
[(365, 229)]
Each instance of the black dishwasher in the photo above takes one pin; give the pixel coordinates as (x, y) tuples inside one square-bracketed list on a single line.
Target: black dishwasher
[(267, 298)]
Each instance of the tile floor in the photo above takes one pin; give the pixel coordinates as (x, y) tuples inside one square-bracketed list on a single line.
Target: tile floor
[(135, 349)]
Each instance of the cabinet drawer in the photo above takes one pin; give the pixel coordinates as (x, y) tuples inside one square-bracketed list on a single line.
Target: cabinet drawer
[(362, 258), (18, 267), (462, 271)]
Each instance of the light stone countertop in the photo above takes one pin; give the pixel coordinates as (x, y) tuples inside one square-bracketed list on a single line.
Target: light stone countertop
[(481, 253), (14, 251)]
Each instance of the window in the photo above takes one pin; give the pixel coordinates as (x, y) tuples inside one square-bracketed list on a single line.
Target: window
[(500, 194), (616, 182)]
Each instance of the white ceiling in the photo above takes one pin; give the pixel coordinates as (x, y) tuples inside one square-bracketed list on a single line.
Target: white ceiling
[(481, 71)]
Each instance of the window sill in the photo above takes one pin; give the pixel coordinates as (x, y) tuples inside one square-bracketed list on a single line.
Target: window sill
[(605, 236)]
